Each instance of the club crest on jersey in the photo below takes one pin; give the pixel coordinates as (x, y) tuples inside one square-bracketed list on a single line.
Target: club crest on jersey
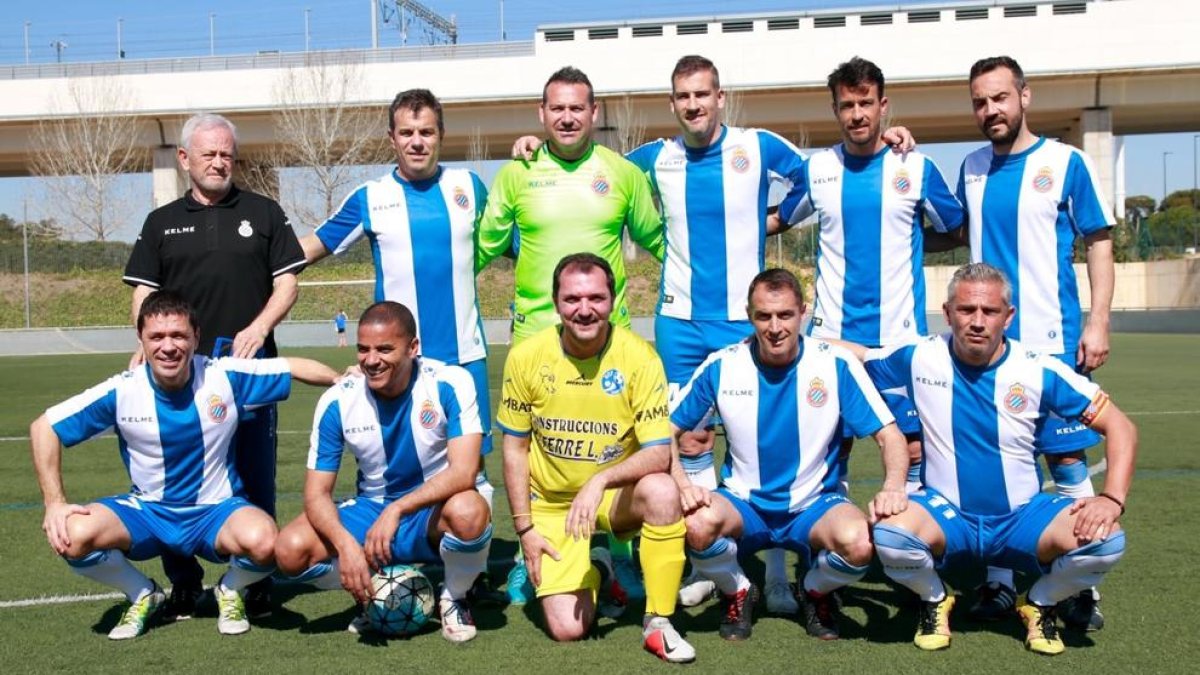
[(217, 410), (461, 199), (740, 160), (1044, 180), (901, 182), (1015, 400), (428, 415), (818, 395), (600, 184), (245, 230), (612, 382)]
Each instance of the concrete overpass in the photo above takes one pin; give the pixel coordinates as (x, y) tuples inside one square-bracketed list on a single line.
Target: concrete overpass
[(1098, 68)]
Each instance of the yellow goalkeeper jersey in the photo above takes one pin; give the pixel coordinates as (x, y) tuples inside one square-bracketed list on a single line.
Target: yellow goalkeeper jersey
[(582, 415)]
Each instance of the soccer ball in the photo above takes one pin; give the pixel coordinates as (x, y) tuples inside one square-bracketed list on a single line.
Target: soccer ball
[(402, 601)]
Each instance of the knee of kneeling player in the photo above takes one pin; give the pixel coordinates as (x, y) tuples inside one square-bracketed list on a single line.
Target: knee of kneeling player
[(568, 632), (659, 499)]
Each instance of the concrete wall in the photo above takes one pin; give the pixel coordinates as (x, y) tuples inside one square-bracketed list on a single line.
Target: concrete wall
[(1155, 285)]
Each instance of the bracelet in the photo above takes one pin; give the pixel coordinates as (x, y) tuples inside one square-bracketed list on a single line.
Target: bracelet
[(1114, 500), (520, 515), (524, 530)]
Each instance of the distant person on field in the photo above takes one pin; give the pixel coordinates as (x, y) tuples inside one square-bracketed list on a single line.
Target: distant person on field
[(339, 324), (176, 418)]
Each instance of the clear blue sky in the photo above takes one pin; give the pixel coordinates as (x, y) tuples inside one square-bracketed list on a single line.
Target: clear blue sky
[(157, 29)]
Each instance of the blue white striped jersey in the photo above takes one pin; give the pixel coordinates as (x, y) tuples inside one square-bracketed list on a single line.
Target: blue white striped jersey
[(980, 423), (715, 205), (422, 239), (784, 425), (177, 446), (398, 443), (1025, 210), (870, 285)]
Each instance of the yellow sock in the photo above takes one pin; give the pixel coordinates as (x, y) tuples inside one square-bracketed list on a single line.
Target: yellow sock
[(662, 559), (591, 581)]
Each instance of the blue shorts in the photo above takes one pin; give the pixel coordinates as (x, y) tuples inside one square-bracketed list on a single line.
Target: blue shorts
[(769, 529), (478, 371), (156, 528), (683, 345), (1009, 540), (411, 541)]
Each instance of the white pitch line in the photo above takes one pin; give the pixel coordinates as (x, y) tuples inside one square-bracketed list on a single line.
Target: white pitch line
[(60, 600)]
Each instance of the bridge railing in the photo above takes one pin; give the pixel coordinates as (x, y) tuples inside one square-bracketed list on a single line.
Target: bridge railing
[(268, 59)]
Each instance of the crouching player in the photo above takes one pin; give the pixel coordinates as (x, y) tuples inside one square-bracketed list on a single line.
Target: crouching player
[(982, 399), (175, 418), (584, 415), (785, 402), (414, 429)]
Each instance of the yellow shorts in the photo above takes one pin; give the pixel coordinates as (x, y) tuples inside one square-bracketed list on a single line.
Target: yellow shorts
[(550, 521)]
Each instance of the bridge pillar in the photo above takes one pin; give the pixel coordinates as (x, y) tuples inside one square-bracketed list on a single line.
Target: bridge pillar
[(1096, 139), (166, 177)]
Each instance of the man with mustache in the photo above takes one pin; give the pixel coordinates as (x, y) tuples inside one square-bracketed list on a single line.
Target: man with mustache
[(587, 448)]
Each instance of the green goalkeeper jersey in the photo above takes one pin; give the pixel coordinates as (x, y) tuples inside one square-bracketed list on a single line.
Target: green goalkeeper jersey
[(549, 208)]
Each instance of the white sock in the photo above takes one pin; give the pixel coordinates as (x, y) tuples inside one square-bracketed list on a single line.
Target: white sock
[(243, 572), (776, 564), (830, 572), (1077, 570), (1001, 576), (719, 563), (464, 560), (111, 568), (908, 561)]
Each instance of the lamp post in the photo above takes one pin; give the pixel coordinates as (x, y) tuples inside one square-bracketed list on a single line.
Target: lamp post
[(1164, 177)]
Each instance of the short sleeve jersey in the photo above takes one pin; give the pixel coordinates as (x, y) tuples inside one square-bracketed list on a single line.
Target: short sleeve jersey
[(980, 423), (714, 201), (222, 259), (397, 443), (870, 284), (582, 415), (176, 445), (557, 208), (1025, 211), (422, 237), (784, 425)]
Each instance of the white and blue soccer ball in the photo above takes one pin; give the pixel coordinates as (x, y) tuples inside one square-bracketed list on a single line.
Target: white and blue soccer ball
[(402, 601)]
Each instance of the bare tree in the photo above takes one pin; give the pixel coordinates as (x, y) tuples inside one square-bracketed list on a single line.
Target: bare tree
[(323, 130), (83, 150), (734, 104), (630, 132), (477, 149)]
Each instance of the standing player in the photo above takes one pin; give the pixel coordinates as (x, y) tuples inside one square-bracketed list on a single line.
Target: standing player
[(573, 196), (1028, 198), (420, 220), (870, 204), (584, 415), (176, 419), (233, 256), (412, 424), (982, 398), (786, 405), (712, 183)]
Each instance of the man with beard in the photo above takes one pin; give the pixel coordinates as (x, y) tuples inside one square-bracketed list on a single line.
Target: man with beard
[(1027, 199)]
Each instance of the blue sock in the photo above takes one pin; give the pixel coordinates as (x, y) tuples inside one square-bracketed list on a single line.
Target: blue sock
[(908, 561)]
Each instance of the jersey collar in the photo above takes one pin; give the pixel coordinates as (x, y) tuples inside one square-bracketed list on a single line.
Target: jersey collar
[(230, 199)]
